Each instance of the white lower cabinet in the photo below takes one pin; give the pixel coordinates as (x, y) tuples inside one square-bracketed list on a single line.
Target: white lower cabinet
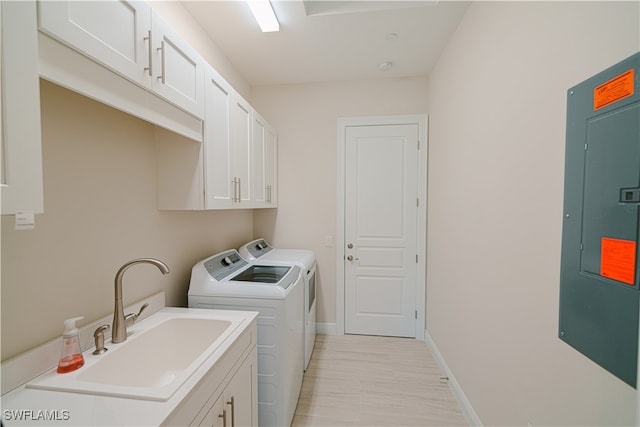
[(234, 406), (227, 396), (217, 415)]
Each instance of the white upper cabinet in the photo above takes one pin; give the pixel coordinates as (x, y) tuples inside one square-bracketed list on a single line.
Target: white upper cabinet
[(20, 132), (271, 167), (113, 33), (213, 150), (238, 157), (131, 40), (240, 133), (177, 68), (219, 179), (264, 163)]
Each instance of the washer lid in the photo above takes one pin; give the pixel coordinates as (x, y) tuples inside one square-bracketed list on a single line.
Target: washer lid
[(262, 274)]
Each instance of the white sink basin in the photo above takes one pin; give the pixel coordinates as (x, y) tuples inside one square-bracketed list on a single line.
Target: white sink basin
[(158, 355), (161, 352)]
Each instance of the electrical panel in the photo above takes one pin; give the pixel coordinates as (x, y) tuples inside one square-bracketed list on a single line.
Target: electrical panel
[(600, 274)]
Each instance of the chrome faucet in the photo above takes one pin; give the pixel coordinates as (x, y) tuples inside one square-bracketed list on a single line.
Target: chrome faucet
[(119, 328)]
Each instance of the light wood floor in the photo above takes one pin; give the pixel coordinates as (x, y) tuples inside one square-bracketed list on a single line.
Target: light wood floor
[(355, 380)]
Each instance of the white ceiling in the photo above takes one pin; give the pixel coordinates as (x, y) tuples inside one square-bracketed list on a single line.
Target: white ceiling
[(330, 40)]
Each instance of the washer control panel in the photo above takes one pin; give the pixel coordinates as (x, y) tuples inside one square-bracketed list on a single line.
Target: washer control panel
[(225, 263)]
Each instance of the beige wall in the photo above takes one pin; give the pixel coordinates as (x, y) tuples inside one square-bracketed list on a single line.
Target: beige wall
[(100, 211), (496, 161), (306, 118)]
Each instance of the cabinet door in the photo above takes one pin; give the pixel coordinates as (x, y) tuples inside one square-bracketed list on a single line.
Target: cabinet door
[(263, 163), (240, 395), (271, 166), (113, 33), (258, 153), (217, 416), (240, 133), (177, 68), (217, 142), (21, 151)]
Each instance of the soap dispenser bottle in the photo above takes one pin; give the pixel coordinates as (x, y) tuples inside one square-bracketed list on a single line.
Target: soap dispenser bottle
[(71, 356)]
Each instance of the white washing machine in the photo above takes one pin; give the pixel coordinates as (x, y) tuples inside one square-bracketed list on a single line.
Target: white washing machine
[(276, 291), (305, 259)]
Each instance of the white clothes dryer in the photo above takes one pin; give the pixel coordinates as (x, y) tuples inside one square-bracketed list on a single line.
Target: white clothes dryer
[(305, 259), (227, 281)]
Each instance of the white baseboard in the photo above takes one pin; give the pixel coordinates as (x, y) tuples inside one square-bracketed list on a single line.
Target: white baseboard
[(326, 328), (457, 391)]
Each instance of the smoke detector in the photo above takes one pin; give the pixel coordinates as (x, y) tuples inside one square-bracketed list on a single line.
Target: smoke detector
[(385, 66)]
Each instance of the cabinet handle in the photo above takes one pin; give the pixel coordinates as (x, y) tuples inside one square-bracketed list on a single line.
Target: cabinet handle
[(162, 64), (150, 50), (233, 411), (233, 196), (224, 417), (237, 190), (268, 191)]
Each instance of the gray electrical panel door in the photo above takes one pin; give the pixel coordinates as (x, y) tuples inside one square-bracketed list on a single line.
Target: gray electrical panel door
[(600, 271)]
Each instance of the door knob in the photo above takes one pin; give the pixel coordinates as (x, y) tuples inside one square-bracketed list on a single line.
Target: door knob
[(351, 258)]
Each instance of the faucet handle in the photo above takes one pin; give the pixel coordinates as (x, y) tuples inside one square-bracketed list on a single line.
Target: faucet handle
[(98, 336), (131, 318)]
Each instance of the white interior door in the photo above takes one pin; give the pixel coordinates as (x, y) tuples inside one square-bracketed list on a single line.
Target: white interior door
[(380, 237)]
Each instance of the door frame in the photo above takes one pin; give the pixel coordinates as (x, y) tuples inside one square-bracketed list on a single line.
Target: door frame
[(422, 121)]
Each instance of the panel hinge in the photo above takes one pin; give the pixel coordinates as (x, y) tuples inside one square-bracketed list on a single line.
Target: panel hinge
[(418, 145), (581, 246), (417, 202), (416, 258), (586, 147), (416, 314)]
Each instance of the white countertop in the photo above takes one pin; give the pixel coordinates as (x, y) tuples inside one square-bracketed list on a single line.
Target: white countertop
[(29, 406)]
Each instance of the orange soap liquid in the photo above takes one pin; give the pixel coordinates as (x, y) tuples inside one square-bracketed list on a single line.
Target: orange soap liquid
[(70, 363)]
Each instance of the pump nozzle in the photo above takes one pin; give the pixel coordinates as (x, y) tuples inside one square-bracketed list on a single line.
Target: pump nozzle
[(70, 325)]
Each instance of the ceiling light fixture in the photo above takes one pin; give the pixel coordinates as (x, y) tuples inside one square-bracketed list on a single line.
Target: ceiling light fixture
[(264, 14)]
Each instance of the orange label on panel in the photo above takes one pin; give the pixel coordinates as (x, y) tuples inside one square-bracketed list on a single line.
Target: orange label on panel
[(618, 260), (614, 90)]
